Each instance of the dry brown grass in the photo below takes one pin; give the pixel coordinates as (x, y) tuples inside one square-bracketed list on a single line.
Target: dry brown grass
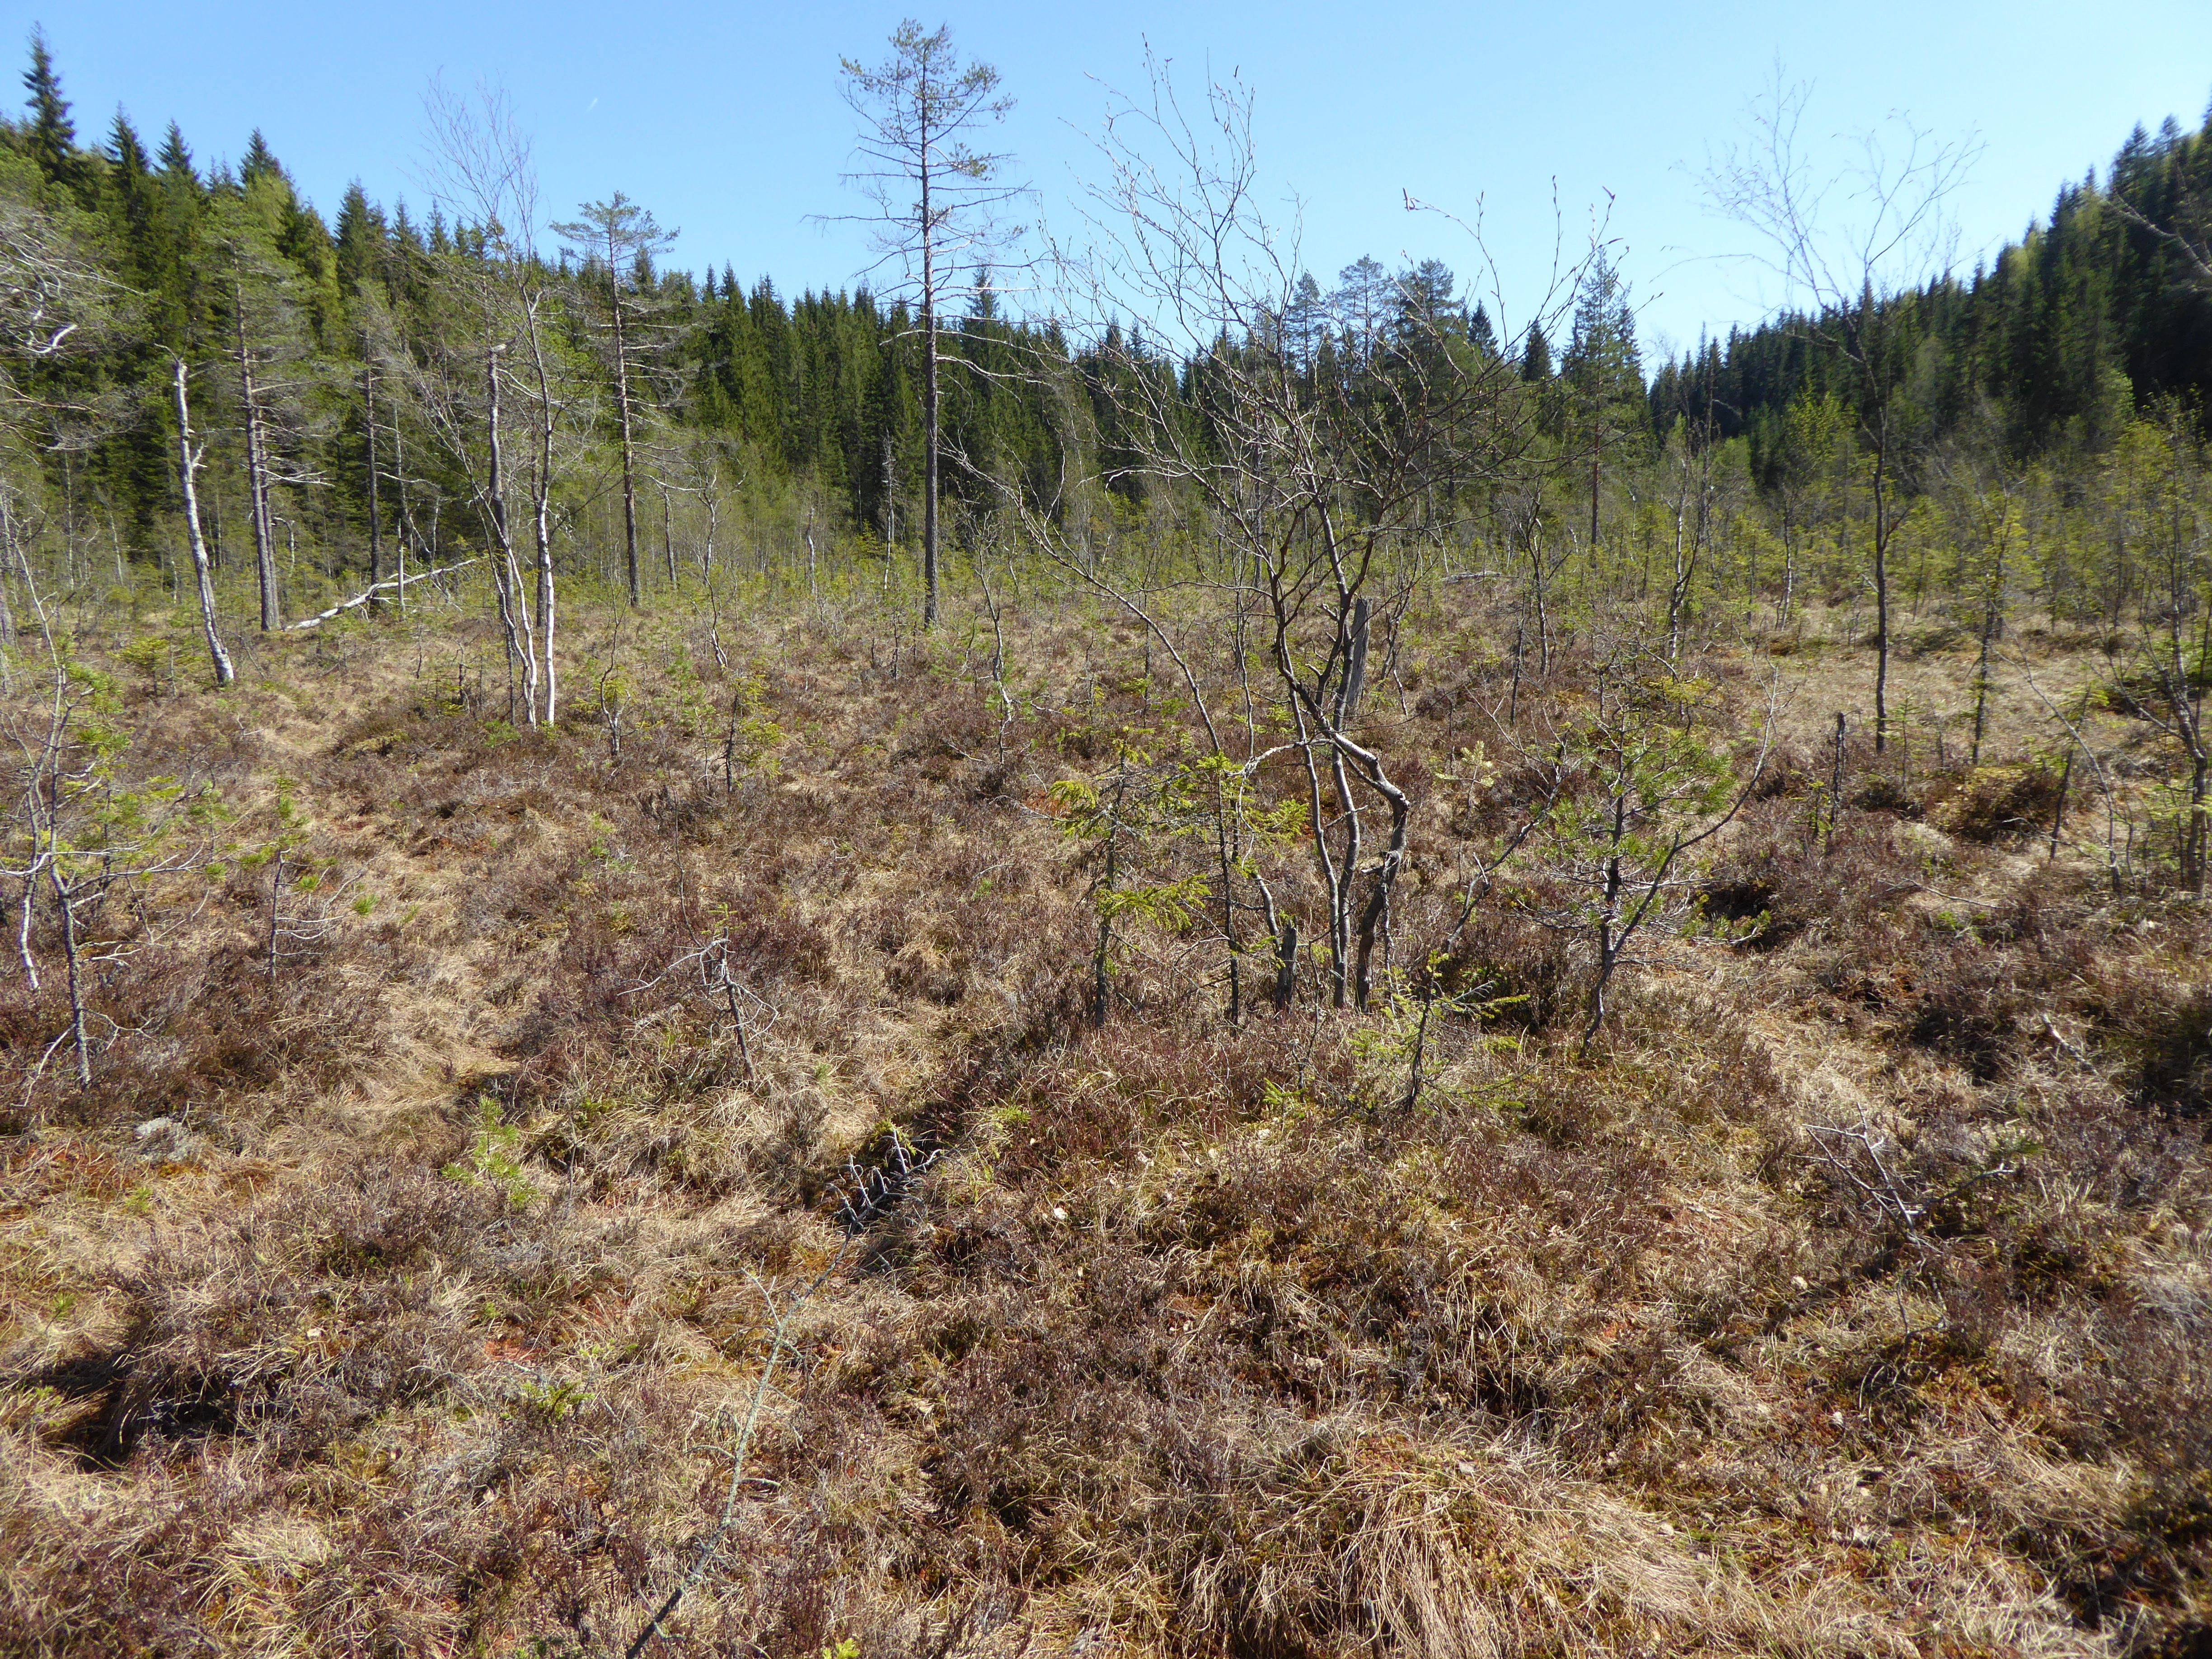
[(426, 1323)]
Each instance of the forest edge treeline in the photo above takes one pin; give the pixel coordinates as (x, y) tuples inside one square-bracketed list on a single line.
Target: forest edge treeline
[(2047, 352)]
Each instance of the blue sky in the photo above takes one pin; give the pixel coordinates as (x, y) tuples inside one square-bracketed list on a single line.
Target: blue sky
[(726, 119)]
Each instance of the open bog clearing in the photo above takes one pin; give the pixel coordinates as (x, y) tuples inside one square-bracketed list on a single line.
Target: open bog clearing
[(406, 1284), (1089, 950)]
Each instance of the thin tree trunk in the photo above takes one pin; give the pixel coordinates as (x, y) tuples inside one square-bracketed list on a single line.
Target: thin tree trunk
[(1881, 592), (23, 919), (507, 579), (1355, 664), (1609, 942), (65, 900), (1330, 882), (1981, 685), (1228, 866), (6, 610), (1375, 920), (621, 400), (542, 525), (1836, 781), (188, 465), (405, 527), (1675, 590), (2193, 861), (928, 397), (1595, 443), (2058, 812), (257, 471), (890, 498), (1788, 562), (1101, 992), (1513, 699), (375, 513), (1543, 614), (1343, 888), (667, 538)]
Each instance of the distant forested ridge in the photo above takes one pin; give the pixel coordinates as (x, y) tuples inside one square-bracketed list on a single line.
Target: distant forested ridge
[(2056, 343)]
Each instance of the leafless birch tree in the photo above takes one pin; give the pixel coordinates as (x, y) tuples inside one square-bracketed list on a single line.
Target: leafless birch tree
[(189, 455), (1324, 505), (1845, 248), (506, 293)]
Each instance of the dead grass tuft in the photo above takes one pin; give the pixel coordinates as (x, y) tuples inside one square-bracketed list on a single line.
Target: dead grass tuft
[(1851, 1299)]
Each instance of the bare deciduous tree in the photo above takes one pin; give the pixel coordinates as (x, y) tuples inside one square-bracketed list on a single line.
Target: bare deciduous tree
[(506, 293), (84, 833), (1845, 264), (188, 467), (267, 351), (1324, 503)]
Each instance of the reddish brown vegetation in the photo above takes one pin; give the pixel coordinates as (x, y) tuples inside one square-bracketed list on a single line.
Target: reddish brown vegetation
[(1851, 1299)]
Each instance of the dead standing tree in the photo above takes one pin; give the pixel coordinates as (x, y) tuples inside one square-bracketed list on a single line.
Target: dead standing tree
[(937, 199), (189, 455), (625, 236), (267, 347), (501, 296)]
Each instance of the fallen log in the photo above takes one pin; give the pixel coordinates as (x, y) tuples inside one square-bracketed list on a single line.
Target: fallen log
[(368, 593)]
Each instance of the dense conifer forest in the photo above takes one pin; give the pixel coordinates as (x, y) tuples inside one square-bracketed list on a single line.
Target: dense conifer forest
[(2099, 312), (1130, 953), (2099, 317)]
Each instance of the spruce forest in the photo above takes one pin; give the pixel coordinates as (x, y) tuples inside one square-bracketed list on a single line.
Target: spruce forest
[(1104, 948)]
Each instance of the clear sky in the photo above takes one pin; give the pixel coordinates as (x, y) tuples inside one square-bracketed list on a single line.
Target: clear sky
[(726, 119)]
